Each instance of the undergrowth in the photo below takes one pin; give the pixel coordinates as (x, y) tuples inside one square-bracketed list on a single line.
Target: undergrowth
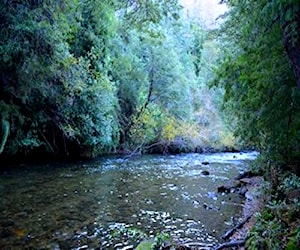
[(278, 223)]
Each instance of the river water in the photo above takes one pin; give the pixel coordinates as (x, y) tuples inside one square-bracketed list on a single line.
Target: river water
[(114, 202)]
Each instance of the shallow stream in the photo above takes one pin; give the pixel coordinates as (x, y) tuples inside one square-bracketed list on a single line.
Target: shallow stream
[(113, 202)]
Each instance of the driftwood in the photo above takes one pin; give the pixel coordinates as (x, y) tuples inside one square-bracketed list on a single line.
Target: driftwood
[(234, 243), (232, 230)]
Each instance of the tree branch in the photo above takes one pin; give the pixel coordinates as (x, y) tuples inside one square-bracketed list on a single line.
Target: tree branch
[(5, 129), (143, 108)]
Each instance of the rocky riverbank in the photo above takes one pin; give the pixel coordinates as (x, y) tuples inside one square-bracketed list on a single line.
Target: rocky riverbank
[(250, 186)]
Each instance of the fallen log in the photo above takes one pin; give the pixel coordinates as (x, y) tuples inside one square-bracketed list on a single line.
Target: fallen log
[(235, 243), (232, 230)]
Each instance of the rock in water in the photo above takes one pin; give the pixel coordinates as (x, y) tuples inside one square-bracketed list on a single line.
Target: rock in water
[(205, 172)]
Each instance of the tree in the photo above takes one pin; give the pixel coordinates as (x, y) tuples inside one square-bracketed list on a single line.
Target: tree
[(258, 75), (55, 90), (150, 70), (78, 78)]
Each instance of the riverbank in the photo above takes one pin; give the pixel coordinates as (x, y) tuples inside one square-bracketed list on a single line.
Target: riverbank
[(251, 188), (253, 203), (270, 218)]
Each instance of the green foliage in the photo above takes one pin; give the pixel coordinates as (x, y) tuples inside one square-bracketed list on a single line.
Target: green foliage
[(260, 87), (197, 46), (265, 234), (133, 234), (139, 238), (63, 97), (260, 40), (294, 239), (81, 78), (155, 79), (290, 182), (142, 14), (277, 224), (276, 227), (145, 245), (161, 240)]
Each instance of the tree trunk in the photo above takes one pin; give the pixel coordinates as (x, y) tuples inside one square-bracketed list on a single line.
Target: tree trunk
[(293, 51), (138, 114), (5, 129), (292, 45)]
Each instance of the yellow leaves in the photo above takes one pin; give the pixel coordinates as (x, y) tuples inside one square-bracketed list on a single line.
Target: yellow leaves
[(70, 60), (145, 126), (155, 125), (19, 232), (215, 135), (189, 130), (170, 129), (227, 139), (173, 129)]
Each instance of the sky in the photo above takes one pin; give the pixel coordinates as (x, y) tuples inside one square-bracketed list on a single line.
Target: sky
[(205, 10)]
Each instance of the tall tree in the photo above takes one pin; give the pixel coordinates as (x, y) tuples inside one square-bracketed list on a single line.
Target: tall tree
[(259, 75), (149, 67), (79, 77), (55, 90)]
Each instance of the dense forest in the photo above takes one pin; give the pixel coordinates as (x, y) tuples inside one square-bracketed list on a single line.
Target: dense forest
[(83, 78), (260, 75), (92, 77)]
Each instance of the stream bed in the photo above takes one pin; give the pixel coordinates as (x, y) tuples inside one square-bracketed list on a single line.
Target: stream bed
[(114, 202)]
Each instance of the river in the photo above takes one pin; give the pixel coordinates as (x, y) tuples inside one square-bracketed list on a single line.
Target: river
[(113, 202)]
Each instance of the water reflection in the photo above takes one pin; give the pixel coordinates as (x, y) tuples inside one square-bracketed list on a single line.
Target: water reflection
[(73, 206)]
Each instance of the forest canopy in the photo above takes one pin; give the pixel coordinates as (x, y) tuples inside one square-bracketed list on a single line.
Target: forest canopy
[(83, 78)]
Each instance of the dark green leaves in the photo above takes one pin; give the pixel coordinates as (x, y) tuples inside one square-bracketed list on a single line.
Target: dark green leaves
[(257, 77)]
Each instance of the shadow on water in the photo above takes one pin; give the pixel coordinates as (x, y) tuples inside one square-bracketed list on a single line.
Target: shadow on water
[(87, 205)]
